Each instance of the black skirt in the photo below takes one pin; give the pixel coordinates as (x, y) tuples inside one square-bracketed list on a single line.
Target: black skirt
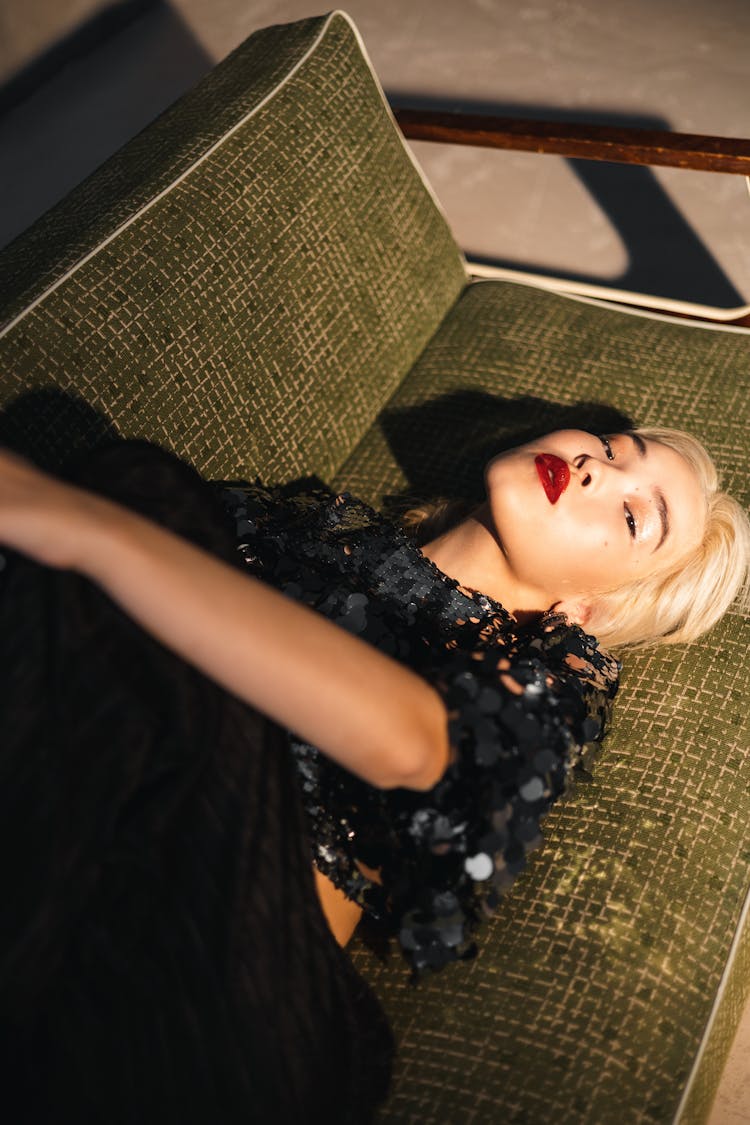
[(163, 955)]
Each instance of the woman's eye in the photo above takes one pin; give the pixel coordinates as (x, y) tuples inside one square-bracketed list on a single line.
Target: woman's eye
[(630, 521), (607, 447)]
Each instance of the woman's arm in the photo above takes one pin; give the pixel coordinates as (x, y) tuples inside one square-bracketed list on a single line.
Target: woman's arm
[(365, 710)]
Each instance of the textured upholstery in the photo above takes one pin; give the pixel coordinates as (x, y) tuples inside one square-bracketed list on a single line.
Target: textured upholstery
[(596, 979), (248, 281), (261, 282)]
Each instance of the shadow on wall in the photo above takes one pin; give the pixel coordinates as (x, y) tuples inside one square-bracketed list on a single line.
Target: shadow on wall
[(665, 256), (76, 104)]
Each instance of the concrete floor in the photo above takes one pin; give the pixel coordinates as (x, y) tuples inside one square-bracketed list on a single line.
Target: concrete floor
[(682, 65), (674, 64)]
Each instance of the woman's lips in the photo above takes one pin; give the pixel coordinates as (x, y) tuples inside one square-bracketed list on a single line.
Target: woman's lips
[(554, 475)]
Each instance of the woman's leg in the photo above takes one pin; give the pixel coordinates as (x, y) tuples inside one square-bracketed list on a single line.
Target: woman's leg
[(164, 956)]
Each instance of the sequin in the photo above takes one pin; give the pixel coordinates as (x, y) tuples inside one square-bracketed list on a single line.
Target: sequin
[(527, 709), (479, 866), (532, 790)]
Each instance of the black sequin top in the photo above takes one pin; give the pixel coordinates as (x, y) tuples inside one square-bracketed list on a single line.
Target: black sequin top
[(526, 709)]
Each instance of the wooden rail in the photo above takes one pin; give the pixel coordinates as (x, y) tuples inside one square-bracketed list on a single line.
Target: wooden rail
[(587, 142)]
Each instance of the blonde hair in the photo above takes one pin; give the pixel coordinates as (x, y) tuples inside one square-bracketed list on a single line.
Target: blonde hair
[(666, 607), (682, 603)]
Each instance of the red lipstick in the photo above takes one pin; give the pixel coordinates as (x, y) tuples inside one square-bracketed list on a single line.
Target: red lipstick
[(554, 475)]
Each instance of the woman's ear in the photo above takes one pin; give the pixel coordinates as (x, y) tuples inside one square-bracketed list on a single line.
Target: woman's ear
[(577, 610)]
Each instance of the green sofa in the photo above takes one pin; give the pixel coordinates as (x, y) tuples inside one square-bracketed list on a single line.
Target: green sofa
[(262, 282)]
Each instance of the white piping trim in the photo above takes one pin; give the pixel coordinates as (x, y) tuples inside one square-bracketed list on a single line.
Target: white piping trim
[(550, 285), (183, 175), (404, 144), (646, 314), (714, 1008), (625, 296)]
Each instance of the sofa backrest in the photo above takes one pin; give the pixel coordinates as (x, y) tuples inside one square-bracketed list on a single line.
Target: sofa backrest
[(245, 283)]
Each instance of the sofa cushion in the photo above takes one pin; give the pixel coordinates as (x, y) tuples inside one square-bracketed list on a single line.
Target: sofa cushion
[(610, 982), (246, 283)]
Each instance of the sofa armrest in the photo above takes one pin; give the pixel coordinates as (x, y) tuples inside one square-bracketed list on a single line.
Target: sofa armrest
[(583, 142)]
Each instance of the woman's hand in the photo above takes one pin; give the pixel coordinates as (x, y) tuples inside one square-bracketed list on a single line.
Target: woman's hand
[(44, 517)]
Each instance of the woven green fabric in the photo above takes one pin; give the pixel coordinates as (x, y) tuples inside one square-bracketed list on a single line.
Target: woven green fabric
[(595, 981), (261, 283), (247, 282)]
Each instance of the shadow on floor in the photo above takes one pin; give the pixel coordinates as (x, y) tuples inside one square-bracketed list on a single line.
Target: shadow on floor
[(665, 255), (91, 106), (83, 39)]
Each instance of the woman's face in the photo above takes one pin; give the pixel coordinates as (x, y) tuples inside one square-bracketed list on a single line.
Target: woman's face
[(576, 515)]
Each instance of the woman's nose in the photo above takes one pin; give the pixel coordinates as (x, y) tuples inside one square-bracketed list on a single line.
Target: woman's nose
[(591, 472)]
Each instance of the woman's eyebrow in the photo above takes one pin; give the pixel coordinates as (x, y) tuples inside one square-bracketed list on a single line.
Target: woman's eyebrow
[(661, 504)]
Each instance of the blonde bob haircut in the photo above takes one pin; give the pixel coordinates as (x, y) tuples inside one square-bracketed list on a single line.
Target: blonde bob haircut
[(684, 602), (669, 606)]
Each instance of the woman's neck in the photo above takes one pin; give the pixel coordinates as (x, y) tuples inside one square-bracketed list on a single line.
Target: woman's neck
[(471, 554)]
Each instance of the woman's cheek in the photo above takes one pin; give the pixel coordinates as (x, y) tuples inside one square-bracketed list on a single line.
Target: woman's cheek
[(573, 559)]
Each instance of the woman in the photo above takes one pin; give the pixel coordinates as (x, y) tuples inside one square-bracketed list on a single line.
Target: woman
[(418, 811), (626, 536)]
